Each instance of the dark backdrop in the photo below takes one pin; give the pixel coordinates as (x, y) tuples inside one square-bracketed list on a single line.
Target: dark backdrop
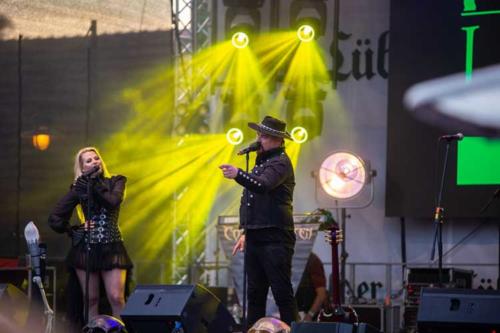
[(54, 94)]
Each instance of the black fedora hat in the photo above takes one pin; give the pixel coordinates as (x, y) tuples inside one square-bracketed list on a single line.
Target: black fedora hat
[(271, 126)]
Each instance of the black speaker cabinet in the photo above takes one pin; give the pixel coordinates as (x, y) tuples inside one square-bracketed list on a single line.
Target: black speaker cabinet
[(383, 318), (162, 308), (311, 327), (458, 310)]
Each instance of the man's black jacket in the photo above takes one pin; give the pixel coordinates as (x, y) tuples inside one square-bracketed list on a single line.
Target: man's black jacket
[(270, 192)]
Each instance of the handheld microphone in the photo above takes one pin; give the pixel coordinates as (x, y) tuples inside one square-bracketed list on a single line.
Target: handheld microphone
[(32, 238), (452, 137), (254, 146), (91, 172)]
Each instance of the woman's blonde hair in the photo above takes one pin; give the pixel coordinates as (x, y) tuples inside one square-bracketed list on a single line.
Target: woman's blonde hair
[(78, 162), (78, 172)]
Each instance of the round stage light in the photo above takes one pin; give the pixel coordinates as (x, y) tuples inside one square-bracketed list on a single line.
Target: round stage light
[(234, 136), (299, 134), (343, 175), (240, 40), (305, 33)]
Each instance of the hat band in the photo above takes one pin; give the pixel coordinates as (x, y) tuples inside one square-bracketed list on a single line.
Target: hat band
[(271, 129)]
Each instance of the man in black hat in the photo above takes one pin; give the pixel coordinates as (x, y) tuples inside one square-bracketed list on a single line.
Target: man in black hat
[(266, 216)]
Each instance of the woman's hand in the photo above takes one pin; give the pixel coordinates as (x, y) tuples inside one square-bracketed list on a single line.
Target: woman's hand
[(89, 225), (240, 245)]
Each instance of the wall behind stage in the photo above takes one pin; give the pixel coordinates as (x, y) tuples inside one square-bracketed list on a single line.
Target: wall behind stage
[(356, 120)]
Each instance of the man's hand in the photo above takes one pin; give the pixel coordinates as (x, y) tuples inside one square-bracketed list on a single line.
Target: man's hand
[(240, 245), (229, 171), (308, 317)]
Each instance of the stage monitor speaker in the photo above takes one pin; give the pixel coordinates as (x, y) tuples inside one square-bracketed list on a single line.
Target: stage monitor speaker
[(14, 306), (366, 328), (458, 310), (163, 308), (312, 327)]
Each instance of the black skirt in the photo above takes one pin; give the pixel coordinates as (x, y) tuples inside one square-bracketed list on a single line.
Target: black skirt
[(103, 257)]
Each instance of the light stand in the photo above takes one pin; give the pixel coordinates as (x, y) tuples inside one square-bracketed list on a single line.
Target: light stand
[(343, 253), (343, 176)]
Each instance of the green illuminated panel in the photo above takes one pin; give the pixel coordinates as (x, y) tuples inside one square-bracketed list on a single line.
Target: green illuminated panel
[(478, 161)]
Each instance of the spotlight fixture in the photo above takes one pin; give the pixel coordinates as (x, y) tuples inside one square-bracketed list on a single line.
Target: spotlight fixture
[(305, 33), (234, 136), (308, 116), (343, 175), (198, 121), (242, 20), (309, 18), (240, 40), (299, 134)]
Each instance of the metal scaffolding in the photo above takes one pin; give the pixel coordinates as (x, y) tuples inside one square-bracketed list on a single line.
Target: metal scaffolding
[(192, 21)]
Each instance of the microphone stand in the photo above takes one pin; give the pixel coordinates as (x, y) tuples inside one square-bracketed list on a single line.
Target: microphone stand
[(87, 249), (247, 197), (439, 220)]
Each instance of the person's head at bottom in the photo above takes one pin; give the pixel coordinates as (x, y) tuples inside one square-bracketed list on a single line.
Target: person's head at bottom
[(269, 325), (104, 324)]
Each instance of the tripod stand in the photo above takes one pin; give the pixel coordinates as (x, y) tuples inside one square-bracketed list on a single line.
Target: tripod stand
[(47, 309), (439, 216)]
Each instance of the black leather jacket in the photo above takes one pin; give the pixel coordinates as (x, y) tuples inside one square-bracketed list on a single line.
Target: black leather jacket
[(270, 187)]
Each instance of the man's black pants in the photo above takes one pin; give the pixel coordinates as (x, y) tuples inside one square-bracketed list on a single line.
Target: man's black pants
[(269, 264)]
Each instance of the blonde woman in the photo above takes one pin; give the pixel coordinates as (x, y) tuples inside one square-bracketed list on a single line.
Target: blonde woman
[(97, 197)]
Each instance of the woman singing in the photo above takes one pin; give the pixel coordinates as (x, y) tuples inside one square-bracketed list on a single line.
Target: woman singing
[(97, 197)]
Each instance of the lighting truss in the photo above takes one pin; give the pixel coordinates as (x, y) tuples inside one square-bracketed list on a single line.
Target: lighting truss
[(193, 33)]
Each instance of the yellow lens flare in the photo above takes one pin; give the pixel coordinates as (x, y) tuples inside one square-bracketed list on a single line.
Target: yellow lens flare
[(240, 40), (299, 134), (234, 136), (305, 33)]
